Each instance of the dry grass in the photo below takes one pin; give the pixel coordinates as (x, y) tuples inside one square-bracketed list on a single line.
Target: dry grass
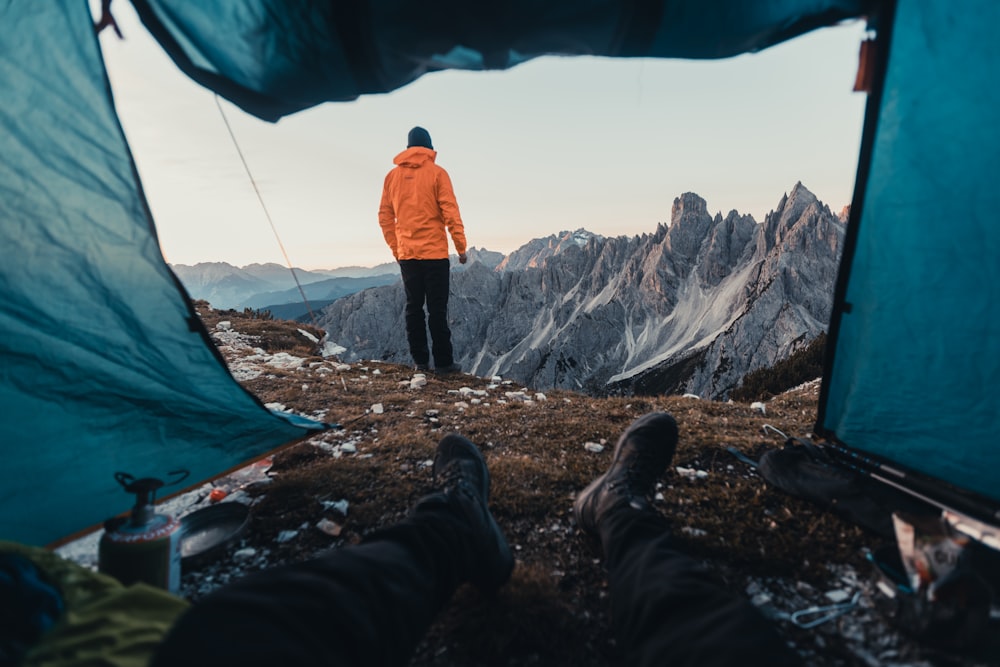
[(554, 610)]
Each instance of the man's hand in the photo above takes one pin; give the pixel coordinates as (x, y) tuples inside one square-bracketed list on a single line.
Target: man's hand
[(463, 258)]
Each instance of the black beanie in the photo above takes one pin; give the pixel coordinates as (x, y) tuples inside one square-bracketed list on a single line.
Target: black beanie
[(418, 136)]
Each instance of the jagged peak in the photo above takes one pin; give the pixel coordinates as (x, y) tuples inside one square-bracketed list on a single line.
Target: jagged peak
[(687, 204)]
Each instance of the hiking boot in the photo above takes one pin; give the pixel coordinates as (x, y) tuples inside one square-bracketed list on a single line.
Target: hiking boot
[(461, 473), (450, 369), (642, 454), (421, 368)]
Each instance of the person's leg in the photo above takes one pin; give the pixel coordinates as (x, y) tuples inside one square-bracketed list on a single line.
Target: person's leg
[(414, 284), (368, 604), (666, 608), (437, 278)]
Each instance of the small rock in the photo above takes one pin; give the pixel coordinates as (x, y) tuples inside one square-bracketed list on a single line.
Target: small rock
[(418, 381), (593, 447), (336, 505), (331, 528), (348, 448), (287, 536), (244, 554), (759, 407), (695, 396), (541, 397), (838, 595), (224, 325), (378, 408)]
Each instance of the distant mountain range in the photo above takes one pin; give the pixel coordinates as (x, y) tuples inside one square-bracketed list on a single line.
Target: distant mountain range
[(259, 286), (272, 287), (691, 308)]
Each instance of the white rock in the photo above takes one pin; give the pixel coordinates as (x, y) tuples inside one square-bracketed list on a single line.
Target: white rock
[(475, 401), (496, 379), (378, 408), (838, 595), (759, 407), (691, 473), (331, 528), (540, 397), (287, 536), (461, 405), (418, 381), (285, 360), (695, 396), (348, 448), (244, 554), (343, 367), (331, 349), (336, 505), (308, 335), (224, 325), (593, 447)]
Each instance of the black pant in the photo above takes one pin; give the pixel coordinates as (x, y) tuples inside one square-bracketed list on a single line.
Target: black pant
[(426, 281), (667, 609), (371, 604), (361, 605)]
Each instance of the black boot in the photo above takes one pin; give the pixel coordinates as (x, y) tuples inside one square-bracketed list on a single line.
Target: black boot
[(461, 473), (642, 454)]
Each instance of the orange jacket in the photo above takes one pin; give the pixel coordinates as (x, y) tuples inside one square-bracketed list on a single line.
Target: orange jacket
[(418, 204)]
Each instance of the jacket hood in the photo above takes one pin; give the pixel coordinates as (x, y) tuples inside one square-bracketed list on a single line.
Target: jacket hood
[(415, 156)]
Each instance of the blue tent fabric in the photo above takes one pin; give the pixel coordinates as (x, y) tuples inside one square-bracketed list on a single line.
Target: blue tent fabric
[(916, 367), (105, 365), (275, 57)]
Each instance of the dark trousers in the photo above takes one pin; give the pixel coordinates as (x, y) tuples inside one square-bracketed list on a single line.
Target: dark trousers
[(667, 609), (426, 282), (371, 604), (361, 605)]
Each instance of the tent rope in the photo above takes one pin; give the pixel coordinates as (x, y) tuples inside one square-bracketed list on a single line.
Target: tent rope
[(267, 213)]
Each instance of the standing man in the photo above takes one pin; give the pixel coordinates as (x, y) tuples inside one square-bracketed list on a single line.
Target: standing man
[(418, 204)]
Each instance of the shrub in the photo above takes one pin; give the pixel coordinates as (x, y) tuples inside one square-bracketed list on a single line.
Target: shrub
[(804, 365)]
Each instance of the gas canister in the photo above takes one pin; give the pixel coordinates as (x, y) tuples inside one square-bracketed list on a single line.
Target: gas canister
[(145, 546)]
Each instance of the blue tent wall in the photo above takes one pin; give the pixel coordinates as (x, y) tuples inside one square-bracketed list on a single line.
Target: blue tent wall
[(916, 366), (104, 364), (275, 57)]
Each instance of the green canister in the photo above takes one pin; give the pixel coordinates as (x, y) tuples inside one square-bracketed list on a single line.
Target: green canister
[(145, 546)]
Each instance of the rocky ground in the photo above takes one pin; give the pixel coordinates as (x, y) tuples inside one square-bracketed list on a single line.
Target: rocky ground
[(786, 555)]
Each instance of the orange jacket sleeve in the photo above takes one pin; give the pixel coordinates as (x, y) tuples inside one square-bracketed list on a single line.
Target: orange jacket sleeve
[(387, 216), (449, 212)]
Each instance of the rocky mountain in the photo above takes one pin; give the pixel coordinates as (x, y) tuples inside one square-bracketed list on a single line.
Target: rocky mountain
[(690, 308), (272, 287)]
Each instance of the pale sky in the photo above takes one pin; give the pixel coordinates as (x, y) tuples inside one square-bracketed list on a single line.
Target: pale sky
[(554, 144)]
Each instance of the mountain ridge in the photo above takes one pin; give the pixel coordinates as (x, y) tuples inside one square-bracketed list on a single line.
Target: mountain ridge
[(690, 308)]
